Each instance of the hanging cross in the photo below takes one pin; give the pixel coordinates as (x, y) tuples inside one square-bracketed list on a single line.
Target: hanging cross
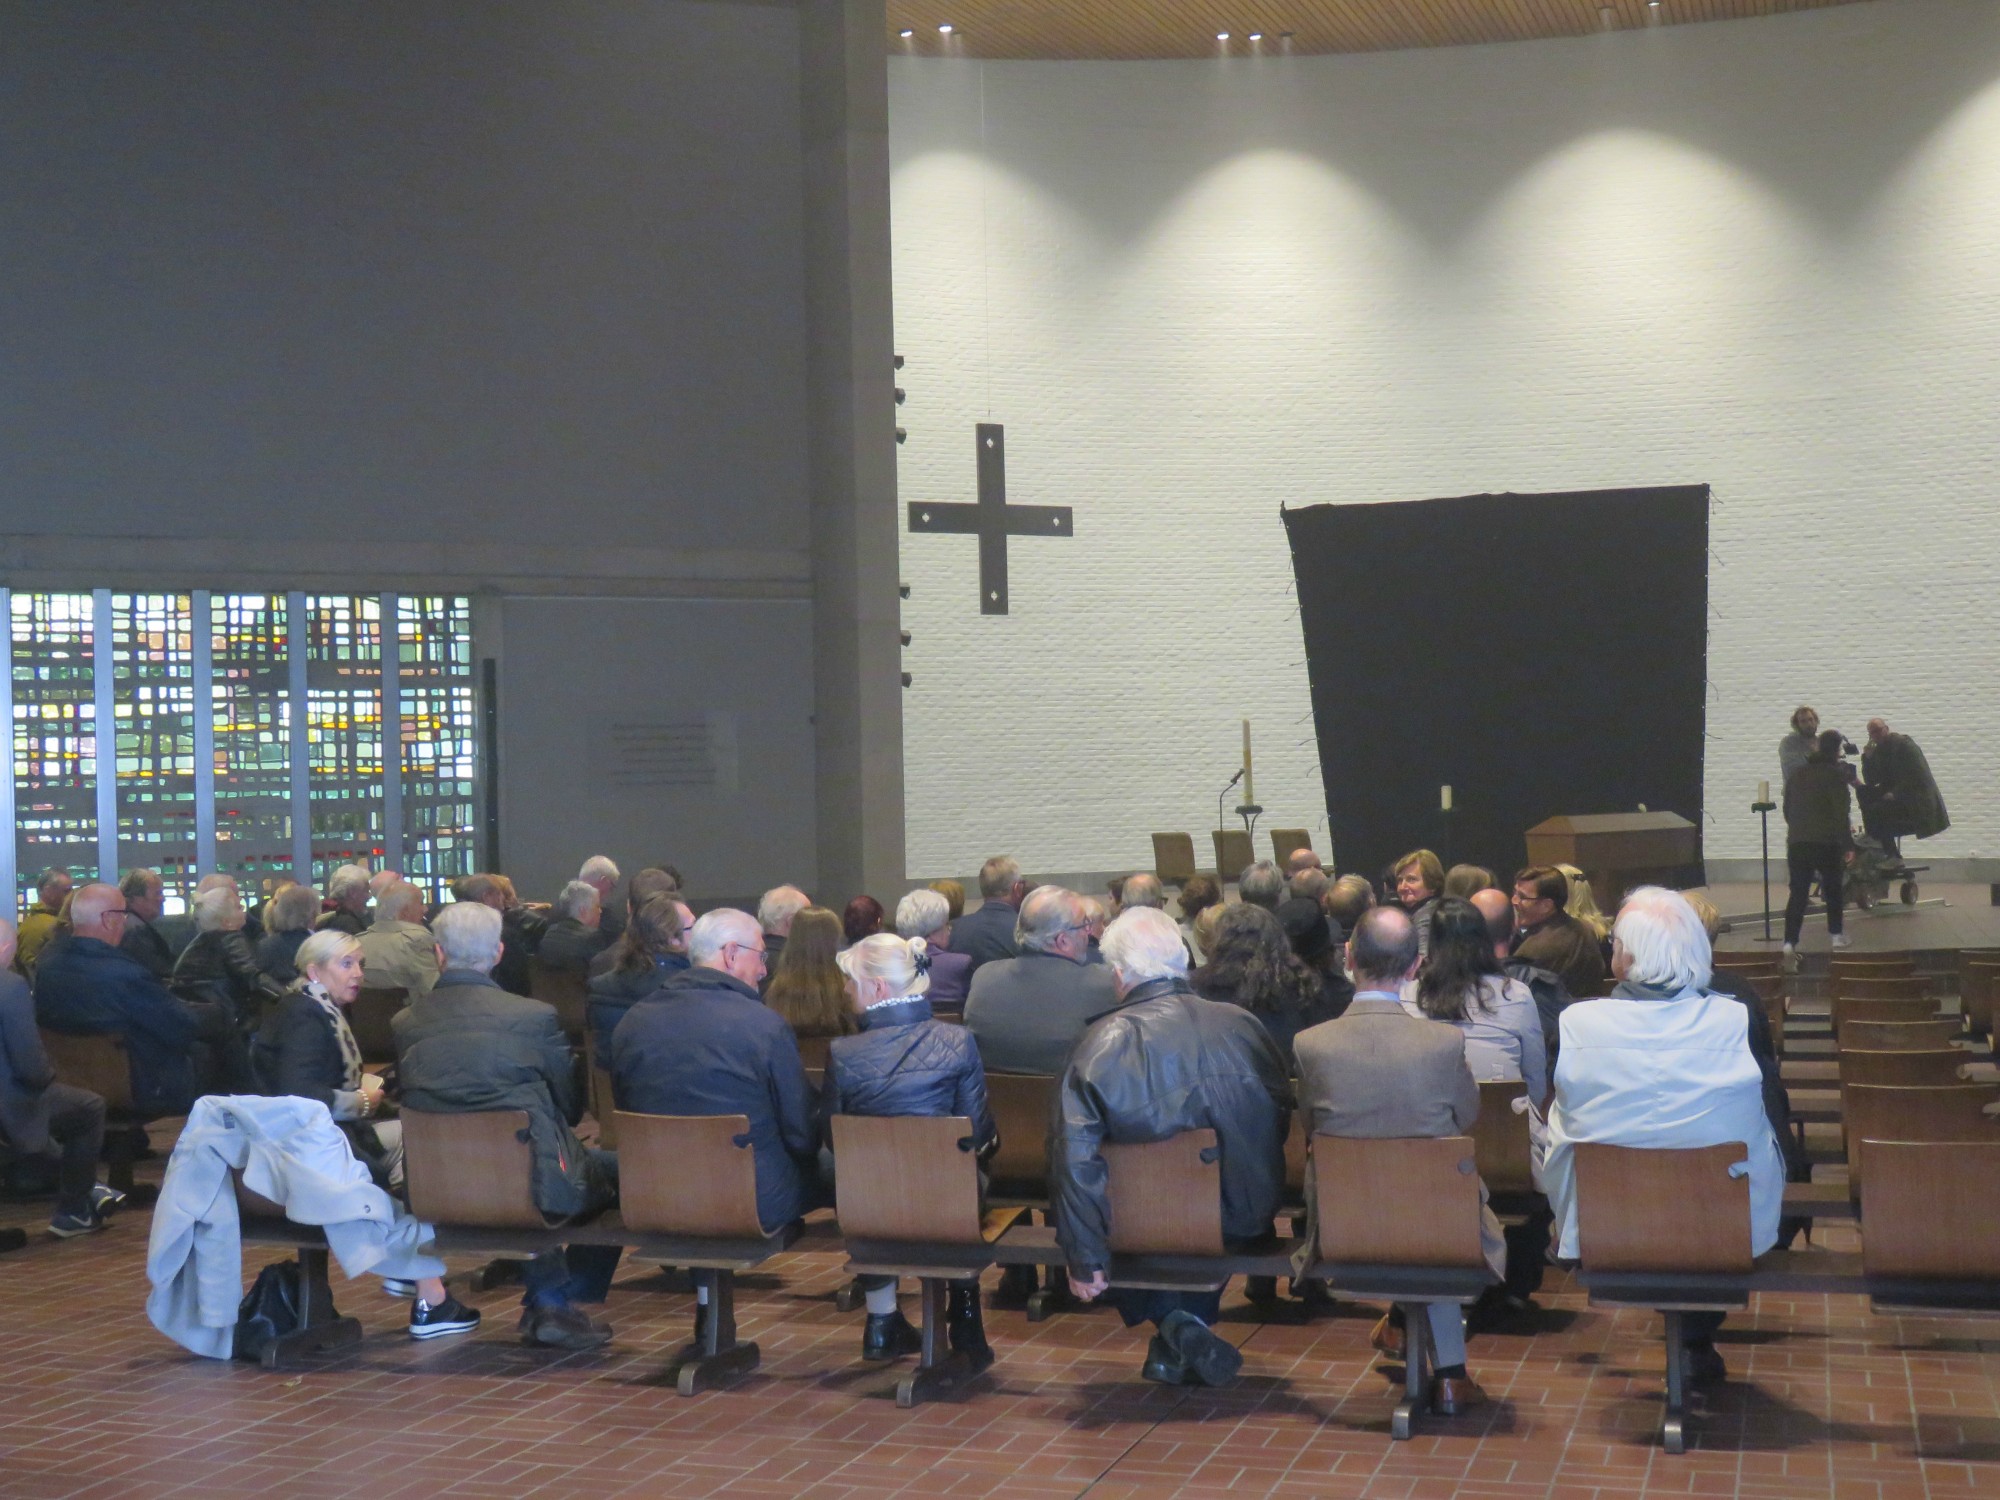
[(992, 520)]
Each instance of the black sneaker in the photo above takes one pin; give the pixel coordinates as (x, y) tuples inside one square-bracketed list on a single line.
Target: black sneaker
[(73, 1226), (106, 1200), (450, 1316), (1210, 1358)]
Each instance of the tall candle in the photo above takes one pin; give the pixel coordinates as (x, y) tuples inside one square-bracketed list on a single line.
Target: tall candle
[(1249, 783), (1444, 799), (1763, 791)]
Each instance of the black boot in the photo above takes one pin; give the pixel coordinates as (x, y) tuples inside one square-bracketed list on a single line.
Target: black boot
[(889, 1335), (1017, 1285), (965, 1328)]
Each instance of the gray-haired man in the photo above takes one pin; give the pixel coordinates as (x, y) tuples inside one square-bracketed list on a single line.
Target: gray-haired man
[(1027, 1012)]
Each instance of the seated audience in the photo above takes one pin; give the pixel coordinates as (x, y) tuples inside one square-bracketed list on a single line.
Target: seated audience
[(863, 918), (288, 921), (1301, 860), (902, 1062), (703, 1043), (1547, 936), (40, 921), (521, 928), (577, 934), (1142, 889), (1252, 965), (1310, 884), (179, 930), (1380, 1073), (600, 873), (954, 896), (469, 1045), (178, 1049), (1419, 878), (40, 1117), (1550, 995), (1345, 902), (1096, 917), (346, 907), (652, 949), (1027, 1012), (1462, 880), (1665, 1062), (987, 933), (145, 902), (808, 990), (774, 914), (1260, 884), (1163, 1062), (1204, 928), (1310, 933), (1198, 894), (643, 887), (397, 950), (254, 911), (924, 914), (305, 1050), (219, 966)]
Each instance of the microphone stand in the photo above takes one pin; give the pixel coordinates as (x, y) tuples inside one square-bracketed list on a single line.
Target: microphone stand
[(1223, 796), (1763, 810)]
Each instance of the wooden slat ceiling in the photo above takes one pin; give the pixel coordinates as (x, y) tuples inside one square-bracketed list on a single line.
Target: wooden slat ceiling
[(1188, 28)]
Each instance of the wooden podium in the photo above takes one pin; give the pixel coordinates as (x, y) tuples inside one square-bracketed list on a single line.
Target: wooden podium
[(1617, 851)]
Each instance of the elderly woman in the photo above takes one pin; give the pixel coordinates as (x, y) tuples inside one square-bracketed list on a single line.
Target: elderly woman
[(288, 919), (926, 914), (218, 965), (808, 988), (902, 1062), (1419, 877), (652, 948)]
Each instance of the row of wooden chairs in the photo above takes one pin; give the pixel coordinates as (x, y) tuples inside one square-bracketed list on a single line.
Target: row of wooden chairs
[(1173, 853)]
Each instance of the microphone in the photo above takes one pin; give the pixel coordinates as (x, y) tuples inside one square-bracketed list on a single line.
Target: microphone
[(1234, 779)]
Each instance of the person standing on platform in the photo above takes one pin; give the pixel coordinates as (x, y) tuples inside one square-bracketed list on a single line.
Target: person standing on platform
[(1796, 748), (1899, 796), (1817, 836)]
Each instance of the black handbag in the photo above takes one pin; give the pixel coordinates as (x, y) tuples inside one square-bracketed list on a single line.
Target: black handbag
[(273, 1307)]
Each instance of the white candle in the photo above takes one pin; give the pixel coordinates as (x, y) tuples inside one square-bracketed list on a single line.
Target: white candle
[(1444, 799), (1763, 791), (1249, 784)]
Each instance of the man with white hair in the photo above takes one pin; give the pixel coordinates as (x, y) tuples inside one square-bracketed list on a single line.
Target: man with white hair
[(1663, 1063), (1164, 1062), (774, 914), (397, 950), (1260, 884), (926, 914), (987, 932), (468, 1046), (600, 873), (577, 934), (703, 1043), (1027, 1012), (346, 901)]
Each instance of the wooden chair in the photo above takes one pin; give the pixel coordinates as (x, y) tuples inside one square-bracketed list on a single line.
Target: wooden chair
[(1234, 853), (1899, 1036), (1931, 1235), (1166, 1196), (908, 1195), (603, 1106), (1501, 1145), (1737, 963), (1285, 842), (1881, 987), (474, 1169), (371, 1018), (1872, 966), (1848, 1010), (1173, 858), (1769, 985), (1942, 1065), (320, 1328), (1019, 1170), (1398, 1221), (1667, 1230), (1941, 1112), (1978, 984), (566, 989), (101, 1064)]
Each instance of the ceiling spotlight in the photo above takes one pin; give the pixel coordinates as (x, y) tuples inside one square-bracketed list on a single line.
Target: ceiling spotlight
[(945, 30), (1256, 36), (1222, 36), (906, 33)]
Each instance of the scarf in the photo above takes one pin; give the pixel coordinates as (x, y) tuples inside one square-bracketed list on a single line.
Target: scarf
[(350, 1050)]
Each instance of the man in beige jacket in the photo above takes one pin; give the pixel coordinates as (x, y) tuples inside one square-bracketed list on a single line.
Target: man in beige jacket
[(397, 950)]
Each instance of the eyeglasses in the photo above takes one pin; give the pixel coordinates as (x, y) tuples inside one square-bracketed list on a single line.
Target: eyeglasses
[(761, 956)]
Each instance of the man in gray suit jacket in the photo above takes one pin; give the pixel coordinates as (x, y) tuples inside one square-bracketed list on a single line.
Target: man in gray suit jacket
[(1026, 1013), (986, 934), (1379, 1073)]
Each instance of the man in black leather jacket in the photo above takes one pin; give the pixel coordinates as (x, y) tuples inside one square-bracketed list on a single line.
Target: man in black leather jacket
[(1167, 1061)]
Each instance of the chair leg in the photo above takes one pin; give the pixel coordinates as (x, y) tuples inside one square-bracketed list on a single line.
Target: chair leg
[(1416, 1370), (715, 1358), (321, 1326), (1053, 1296), (1673, 1432), (938, 1368)]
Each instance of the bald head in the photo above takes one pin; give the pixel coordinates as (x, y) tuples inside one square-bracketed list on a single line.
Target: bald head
[(1498, 909), (1878, 731), (1383, 951), (1302, 859), (98, 911)]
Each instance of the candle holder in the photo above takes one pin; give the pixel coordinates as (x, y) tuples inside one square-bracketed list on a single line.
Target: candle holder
[(1763, 810), (1250, 812)]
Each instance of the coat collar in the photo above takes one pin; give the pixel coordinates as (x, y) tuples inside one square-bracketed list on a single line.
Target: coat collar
[(907, 1011), (1156, 989), (466, 979)]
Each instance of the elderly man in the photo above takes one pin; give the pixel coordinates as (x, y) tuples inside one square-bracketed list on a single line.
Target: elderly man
[(469, 1045), (774, 914), (1301, 860), (1142, 889), (1027, 1012), (179, 930), (643, 887), (145, 900), (987, 933), (346, 901), (600, 873), (1310, 884), (41, 1117), (397, 950), (577, 934), (521, 927), (1163, 1062), (178, 1049), (1345, 901), (40, 921), (1260, 884), (1665, 1062), (703, 1043), (1898, 795), (1547, 936)]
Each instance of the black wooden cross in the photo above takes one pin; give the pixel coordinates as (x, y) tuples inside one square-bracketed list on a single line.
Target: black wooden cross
[(992, 520)]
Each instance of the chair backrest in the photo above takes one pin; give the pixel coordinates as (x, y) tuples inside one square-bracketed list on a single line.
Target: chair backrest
[(1931, 1209), (1848, 1010), (815, 1051), (1285, 842), (472, 1169), (1935, 1112), (1500, 1139), (1021, 1103), (1233, 852), (1173, 858), (1737, 963), (603, 1107), (909, 1177), (1397, 1202), (568, 990), (1940, 1065), (1166, 1196), (1662, 1211), (1978, 980), (1873, 966), (97, 1063), (372, 1020), (1881, 987), (688, 1174), (1899, 1036), (1298, 1143)]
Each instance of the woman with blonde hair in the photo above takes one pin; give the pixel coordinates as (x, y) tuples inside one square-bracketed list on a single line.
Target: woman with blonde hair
[(1583, 906), (808, 989)]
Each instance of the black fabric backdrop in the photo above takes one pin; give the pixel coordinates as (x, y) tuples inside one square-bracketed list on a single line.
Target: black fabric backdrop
[(1539, 654)]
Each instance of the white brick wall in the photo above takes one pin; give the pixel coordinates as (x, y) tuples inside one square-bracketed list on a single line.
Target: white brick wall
[(1763, 255)]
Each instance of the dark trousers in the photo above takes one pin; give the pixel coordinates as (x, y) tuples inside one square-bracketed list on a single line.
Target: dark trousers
[(76, 1128), (1528, 1251), (1136, 1306), (1806, 861), (221, 1056), (575, 1273)]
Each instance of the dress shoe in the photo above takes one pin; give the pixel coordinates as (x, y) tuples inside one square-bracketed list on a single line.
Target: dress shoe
[(965, 1328), (1163, 1366), (1453, 1394), (1211, 1359), (1386, 1338), (566, 1327), (887, 1336), (1017, 1285), (1702, 1364), (1261, 1289)]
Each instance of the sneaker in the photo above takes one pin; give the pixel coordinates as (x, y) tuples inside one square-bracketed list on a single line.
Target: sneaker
[(106, 1200), (395, 1286), (1842, 940), (565, 1327), (1210, 1359), (70, 1226), (1791, 958), (450, 1316)]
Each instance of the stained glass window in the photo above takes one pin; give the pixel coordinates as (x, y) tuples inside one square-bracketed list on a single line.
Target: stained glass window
[(55, 736), (251, 696), (440, 748), (344, 726), (152, 655)]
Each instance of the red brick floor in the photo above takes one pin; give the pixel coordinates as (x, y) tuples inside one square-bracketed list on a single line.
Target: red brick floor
[(1823, 1400)]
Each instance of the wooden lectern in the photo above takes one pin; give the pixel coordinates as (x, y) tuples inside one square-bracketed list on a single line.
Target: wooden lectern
[(1617, 851)]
